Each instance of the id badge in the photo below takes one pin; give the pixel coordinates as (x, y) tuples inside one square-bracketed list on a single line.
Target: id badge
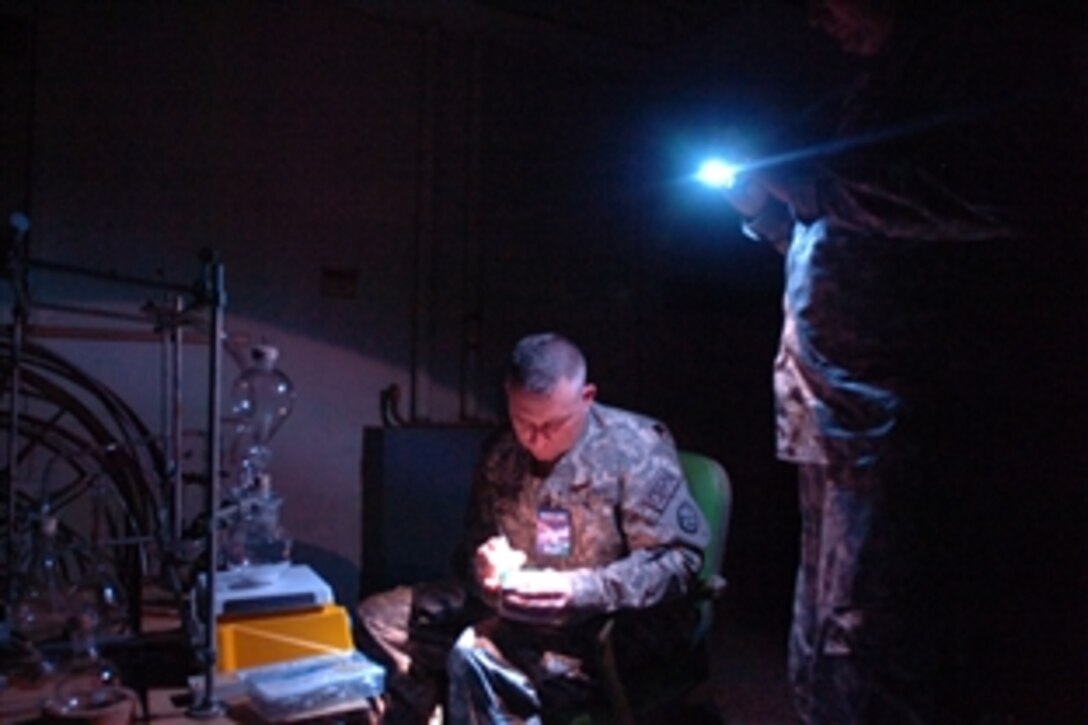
[(553, 527)]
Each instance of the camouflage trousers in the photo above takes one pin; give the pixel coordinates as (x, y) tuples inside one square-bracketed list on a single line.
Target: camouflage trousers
[(860, 649), (443, 647)]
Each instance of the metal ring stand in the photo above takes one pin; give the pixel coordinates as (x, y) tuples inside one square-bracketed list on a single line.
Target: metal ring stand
[(55, 411)]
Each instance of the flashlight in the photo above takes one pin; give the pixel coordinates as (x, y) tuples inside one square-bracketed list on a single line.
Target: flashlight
[(718, 174)]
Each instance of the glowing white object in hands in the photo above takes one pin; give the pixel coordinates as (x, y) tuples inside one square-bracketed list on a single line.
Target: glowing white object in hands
[(717, 173), (502, 559)]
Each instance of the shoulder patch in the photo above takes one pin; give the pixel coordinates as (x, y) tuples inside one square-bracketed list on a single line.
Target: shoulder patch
[(687, 518), (661, 492)]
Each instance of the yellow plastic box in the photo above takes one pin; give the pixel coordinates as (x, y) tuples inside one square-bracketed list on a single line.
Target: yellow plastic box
[(255, 640)]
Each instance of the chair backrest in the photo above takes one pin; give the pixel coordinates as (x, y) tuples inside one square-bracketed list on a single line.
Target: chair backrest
[(710, 487)]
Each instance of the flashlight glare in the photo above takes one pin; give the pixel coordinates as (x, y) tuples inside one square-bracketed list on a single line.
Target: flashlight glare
[(717, 174)]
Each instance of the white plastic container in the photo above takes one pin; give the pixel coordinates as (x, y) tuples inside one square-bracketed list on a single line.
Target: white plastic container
[(314, 686)]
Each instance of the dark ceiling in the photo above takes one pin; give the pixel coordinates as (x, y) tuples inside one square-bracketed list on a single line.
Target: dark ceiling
[(638, 23), (608, 32)]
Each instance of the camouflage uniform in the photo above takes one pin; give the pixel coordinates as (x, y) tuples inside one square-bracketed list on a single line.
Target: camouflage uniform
[(615, 514), (880, 249), (848, 415)]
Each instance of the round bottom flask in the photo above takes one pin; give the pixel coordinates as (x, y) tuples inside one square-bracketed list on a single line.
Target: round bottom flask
[(257, 547), (89, 689)]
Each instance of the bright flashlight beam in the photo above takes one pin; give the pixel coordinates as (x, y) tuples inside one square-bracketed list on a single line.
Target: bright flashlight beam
[(717, 174), (723, 175)]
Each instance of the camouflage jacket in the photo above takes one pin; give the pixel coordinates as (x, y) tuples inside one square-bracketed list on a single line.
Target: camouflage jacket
[(614, 512), (903, 246)]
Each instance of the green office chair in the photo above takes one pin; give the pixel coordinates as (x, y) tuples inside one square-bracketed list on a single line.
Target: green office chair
[(710, 487)]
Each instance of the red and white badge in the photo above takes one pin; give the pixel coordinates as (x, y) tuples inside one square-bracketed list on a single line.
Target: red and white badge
[(553, 535)]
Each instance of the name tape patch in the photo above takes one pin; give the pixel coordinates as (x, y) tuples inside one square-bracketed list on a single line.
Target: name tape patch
[(662, 491)]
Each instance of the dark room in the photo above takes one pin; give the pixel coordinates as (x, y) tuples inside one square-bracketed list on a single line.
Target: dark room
[(543, 361)]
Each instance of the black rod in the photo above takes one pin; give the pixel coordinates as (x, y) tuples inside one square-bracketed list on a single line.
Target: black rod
[(208, 707)]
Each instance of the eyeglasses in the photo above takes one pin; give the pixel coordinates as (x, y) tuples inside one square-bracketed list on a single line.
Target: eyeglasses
[(548, 429)]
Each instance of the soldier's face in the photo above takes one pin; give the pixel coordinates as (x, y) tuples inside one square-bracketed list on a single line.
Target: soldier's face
[(549, 425)]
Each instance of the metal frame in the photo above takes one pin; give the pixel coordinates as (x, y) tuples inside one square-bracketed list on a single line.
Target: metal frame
[(192, 305)]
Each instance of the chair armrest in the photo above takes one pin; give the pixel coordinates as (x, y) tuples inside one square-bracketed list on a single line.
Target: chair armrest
[(614, 688), (710, 587)]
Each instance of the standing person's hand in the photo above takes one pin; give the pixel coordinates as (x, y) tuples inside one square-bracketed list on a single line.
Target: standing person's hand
[(748, 195)]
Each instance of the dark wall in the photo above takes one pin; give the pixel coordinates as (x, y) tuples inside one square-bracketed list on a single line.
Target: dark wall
[(592, 226), (461, 186)]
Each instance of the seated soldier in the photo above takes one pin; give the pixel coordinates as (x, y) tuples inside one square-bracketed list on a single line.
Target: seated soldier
[(578, 510)]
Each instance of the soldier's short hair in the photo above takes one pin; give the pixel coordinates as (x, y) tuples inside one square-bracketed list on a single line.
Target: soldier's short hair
[(540, 361)]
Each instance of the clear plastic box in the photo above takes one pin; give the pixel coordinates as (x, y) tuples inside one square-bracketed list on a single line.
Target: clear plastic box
[(313, 686)]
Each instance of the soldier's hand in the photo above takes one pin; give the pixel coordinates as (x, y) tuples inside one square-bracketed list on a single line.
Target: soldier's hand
[(538, 595), (494, 560), (748, 195)]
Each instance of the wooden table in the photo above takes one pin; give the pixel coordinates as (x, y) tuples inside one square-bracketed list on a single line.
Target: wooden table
[(158, 662), (167, 706)]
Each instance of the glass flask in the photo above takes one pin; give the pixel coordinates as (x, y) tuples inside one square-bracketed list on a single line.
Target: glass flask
[(100, 592), (262, 397), (256, 546), (89, 687), (41, 608)]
